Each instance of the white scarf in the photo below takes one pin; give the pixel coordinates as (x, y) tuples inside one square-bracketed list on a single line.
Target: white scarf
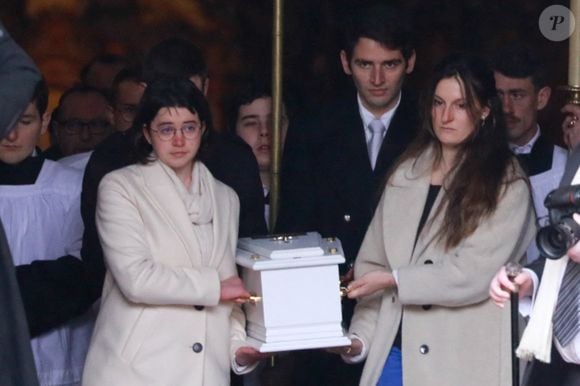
[(197, 200)]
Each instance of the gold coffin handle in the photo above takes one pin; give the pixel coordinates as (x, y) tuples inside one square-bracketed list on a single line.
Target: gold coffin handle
[(253, 299)]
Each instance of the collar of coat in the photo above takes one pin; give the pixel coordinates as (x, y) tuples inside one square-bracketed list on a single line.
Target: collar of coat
[(162, 193)]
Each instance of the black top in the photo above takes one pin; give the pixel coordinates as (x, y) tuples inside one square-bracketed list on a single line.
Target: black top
[(431, 196), (539, 160), (53, 153), (23, 173)]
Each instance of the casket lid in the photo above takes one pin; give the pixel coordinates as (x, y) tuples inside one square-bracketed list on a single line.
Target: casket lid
[(290, 250)]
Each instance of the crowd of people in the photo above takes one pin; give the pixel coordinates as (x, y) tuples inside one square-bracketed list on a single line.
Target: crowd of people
[(119, 241)]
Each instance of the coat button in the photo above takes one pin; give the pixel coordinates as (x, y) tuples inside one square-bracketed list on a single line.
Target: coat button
[(199, 308), (347, 217), (197, 347), (428, 261), (424, 349), (427, 307)]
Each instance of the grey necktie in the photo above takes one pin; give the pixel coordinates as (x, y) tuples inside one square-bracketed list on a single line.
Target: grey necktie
[(374, 144), (566, 318)]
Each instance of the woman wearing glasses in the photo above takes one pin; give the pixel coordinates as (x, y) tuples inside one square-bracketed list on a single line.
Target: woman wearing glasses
[(168, 230)]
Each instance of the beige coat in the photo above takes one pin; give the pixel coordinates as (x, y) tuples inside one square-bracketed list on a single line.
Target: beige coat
[(452, 335), (148, 331)]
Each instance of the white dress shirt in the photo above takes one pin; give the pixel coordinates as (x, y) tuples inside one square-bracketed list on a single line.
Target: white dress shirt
[(526, 148), (367, 117)]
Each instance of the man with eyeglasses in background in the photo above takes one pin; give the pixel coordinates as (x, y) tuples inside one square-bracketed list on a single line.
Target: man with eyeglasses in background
[(82, 119), (127, 91)]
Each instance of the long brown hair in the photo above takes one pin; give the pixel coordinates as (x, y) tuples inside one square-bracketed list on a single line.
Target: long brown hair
[(475, 183)]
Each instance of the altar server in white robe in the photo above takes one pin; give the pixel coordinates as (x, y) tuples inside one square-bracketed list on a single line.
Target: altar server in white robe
[(18, 77), (40, 209)]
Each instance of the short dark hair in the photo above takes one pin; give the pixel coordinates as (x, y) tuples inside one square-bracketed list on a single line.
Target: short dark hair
[(167, 92), (383, 23), (127, 74), (40, 96), (517, 60), (108, 59), (77, 89), (174, 57), (250, 90)]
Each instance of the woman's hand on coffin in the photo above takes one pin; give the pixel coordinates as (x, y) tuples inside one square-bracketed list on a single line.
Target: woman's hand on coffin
[(232, 289), (370, 283)]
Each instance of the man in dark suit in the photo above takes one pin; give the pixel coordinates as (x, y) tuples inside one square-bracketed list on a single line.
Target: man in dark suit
[(18, 78), (331, 178), (334, 166)]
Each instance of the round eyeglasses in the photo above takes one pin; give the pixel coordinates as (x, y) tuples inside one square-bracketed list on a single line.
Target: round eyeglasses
[(127, 112), (166, 133), (76, 126)]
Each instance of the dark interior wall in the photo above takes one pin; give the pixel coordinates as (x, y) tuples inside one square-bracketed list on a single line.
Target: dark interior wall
[(235, 35), (313, 40)]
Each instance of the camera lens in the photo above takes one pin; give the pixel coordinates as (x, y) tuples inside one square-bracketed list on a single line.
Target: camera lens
[(552, 242)]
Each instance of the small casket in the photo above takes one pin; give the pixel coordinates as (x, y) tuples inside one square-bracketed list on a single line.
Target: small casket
[(296, 282)]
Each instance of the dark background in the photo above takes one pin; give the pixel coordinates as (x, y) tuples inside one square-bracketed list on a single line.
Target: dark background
[(235, 36)]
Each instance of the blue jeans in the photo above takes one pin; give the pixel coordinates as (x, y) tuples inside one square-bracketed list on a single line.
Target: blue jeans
[(392, 374)]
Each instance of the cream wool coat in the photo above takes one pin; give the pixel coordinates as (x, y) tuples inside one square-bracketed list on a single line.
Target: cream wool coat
[(442, 297), (148, 327)]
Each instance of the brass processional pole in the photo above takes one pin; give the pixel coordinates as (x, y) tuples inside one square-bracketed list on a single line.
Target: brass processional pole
[(277, 40), (573, 87)]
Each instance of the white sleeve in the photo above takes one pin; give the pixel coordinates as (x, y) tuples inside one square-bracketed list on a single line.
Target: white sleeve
[(526, 303)]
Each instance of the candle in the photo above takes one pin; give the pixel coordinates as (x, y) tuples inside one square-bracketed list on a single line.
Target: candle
[(574, 48)]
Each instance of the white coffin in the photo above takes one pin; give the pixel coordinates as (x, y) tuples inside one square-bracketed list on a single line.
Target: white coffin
[(297, 280)]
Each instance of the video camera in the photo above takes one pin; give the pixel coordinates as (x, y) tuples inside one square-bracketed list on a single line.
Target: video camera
[(563, 232)]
